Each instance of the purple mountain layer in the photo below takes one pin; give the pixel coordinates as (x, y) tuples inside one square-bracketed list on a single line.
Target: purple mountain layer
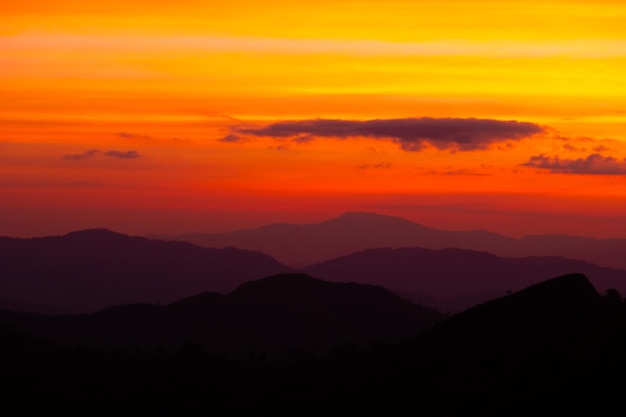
[(90, 270), (454, 279), (302, 245), (94, 269)]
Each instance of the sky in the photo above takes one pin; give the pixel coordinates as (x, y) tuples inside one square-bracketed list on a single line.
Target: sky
[(169, 117)]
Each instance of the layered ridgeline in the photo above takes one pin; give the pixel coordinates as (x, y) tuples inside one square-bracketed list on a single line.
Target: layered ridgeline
[(306, 244), (93, 269), (454, 279), (274, 315), (90, 270), (556, 347)]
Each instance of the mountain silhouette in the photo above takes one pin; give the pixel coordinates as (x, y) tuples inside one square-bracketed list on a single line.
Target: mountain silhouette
[(276, 314), (555, 347), (307, 244), (93, 269), (548, 348), (455, 279), (530, 353), (541, 310)]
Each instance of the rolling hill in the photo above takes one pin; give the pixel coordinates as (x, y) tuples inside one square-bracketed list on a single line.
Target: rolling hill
[(93, 269)]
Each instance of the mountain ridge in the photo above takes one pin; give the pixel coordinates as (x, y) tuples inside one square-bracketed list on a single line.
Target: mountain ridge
[(443, 274), (95, 268), (278, 313), (301, 245), (89, 270), (556, 346)]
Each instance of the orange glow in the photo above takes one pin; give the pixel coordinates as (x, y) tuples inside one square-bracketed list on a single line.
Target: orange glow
[(123, 106)]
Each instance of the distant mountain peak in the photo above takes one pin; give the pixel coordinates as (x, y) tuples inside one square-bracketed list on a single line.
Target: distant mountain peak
[(365, 215), (361, 214), (97, 233), (368, 219)]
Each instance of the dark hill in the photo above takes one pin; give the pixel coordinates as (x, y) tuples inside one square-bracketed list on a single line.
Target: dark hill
[(93, 269), (455, 279), (554, 348), (300, 291), (550, 348), (290, 312), (543, 310)]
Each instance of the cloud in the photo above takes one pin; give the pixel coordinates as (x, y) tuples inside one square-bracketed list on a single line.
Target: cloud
[(281, 148), (96, 152), (412, 134), (381, 165), (461, 172), (572, 148), (594, 164), (125, 135), (82, 156), (123, 155), (451, 171), (303, 139), (233, 138), (602, 148)]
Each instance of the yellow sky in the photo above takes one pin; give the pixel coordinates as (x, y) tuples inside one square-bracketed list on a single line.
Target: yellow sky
[(124, 104)]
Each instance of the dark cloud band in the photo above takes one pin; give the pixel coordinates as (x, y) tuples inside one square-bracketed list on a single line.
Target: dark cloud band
[(412, 134), (123, 154), (95, 152), (594, 164), (82, 156)]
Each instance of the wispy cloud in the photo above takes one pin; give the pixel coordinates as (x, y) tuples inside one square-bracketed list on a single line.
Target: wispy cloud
[(280, 148), (412, 134), (594, 164), (381, 165), (460, 172), (572, 148), (602, 148), (125, 135), (96, 152), (82, 156), (123, 154), (233, 138)]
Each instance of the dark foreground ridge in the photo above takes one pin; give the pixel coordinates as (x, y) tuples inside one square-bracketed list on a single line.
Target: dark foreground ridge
[(277, 315), (555, 348)]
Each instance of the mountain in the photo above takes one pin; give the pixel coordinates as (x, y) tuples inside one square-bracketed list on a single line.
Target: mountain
[(455, 279), (555, 347), (302, 245), (605, 252), (552, 348), (309, 243), (282, 313), (93, 269)]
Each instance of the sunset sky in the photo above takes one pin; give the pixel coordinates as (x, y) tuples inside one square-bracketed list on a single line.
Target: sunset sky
[(165, 117)]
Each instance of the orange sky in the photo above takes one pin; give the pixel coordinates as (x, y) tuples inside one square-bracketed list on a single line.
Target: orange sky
[(147, 116)]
